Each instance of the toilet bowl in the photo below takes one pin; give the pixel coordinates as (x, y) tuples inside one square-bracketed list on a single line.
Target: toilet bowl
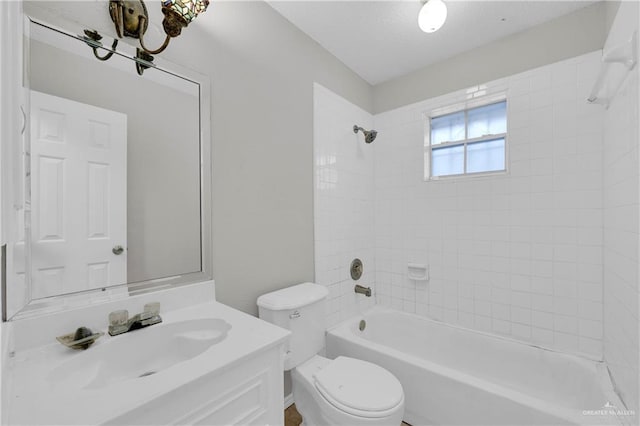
[(343, 391), (346, 391)]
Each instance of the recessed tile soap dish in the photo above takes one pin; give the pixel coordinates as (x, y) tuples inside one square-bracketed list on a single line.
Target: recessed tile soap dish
[(418, 272), (72, 341)]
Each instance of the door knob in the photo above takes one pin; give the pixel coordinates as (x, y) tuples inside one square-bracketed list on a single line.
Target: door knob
[(117, 250)]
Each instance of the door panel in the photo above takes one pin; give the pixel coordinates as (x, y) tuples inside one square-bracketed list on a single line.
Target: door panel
[(78, 157)]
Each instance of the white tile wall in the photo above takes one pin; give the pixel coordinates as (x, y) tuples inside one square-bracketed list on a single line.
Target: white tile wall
[(621, 224), (343, 202), (518, 254), (541, 253)]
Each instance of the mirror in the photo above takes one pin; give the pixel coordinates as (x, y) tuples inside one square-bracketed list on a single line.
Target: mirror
[(118, 175)]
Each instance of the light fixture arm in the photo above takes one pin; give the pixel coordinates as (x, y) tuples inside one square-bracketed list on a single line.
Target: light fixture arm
[(92, 38), (143, 61), (142, 26), (108, 55), (115, 9)]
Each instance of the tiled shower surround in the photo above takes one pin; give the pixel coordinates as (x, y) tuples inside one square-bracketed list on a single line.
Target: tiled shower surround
[(343, 202), (621, 243), (517, 253), (621, 225)]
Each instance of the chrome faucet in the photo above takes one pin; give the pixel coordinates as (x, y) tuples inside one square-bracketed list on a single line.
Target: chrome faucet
[(363, 290), (119, 321)]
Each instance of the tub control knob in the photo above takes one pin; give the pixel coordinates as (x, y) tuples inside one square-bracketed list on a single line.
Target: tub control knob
[(356, 269)]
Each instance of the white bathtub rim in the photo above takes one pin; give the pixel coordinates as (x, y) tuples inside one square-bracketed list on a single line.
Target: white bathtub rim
[(590, 363), (342, 330), (584, 358), (485, 385)]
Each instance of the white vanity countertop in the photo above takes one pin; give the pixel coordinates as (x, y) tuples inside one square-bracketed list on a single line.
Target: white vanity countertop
[(33, 399)]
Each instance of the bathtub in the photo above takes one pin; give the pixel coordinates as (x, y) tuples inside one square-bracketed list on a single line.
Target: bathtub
[(455, 376)]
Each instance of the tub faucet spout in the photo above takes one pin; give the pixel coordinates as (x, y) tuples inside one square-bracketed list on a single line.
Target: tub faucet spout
[(363, 290)]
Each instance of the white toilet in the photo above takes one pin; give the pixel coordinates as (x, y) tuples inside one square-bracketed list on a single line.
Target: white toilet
[(344, 391)]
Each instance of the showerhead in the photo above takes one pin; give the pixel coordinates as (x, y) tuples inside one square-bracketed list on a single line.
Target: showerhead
[(369, 135)]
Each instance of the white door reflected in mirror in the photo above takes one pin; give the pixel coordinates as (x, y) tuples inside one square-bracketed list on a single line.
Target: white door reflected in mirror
[(79, 196)]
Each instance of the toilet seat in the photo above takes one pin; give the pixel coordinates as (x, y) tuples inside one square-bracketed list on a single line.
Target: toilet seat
[(359, 388)]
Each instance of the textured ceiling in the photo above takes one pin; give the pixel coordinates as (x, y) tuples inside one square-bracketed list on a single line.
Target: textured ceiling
[(380, 40)]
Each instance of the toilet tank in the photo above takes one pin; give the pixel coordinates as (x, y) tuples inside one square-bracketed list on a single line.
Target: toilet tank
[(302, 310)]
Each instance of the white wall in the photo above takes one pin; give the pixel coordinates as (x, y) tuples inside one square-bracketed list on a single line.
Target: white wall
[(565, 37), (262, 71), (343, 202), (621, 222), (518, 254)]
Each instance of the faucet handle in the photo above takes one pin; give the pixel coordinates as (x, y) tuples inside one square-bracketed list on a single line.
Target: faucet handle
[(118, 317), (151, 314), (152, 309)]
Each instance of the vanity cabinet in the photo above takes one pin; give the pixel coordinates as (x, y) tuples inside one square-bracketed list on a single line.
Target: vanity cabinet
[(237, 380), (248, 393)]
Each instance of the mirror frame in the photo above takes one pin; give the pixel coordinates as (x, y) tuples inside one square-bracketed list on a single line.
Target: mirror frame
[(37, 307)]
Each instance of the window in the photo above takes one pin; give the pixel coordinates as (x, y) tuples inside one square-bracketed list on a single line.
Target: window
[(468, 141)]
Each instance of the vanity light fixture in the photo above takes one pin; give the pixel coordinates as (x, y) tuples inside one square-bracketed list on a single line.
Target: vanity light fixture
[(131, 18), (432, 16)]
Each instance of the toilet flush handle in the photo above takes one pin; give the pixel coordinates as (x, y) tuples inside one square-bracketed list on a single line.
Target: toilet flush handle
[(295, 314)]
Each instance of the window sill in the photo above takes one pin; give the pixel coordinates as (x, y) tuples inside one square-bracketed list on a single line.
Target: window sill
[(450, 178)]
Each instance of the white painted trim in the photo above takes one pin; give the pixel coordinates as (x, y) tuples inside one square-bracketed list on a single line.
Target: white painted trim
[(288, 401), (477, 97)]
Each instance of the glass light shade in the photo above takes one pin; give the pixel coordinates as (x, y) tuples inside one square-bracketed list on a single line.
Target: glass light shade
[(188, 9), (432, 16)]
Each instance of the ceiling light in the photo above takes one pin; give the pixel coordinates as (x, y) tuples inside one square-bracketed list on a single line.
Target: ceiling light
[(432, 16)]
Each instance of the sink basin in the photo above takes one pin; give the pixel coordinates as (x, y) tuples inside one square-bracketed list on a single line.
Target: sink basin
[(140, 353)]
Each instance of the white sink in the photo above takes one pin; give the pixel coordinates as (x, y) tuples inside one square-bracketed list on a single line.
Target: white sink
[(139, 354)]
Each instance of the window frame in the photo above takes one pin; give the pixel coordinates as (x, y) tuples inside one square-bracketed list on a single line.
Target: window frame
[(466, 107)]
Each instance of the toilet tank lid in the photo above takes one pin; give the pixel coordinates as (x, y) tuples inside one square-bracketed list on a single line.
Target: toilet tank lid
[(293, 297)]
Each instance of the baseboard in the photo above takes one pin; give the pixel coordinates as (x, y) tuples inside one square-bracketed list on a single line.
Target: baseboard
[(288, 401)]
